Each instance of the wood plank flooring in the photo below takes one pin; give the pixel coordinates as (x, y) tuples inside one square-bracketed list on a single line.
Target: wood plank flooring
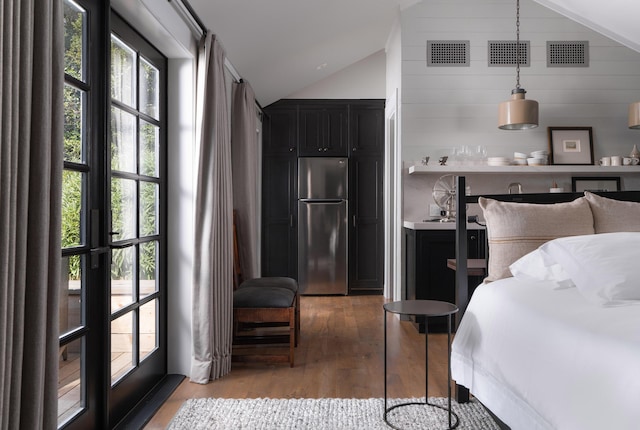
[(340, 355)]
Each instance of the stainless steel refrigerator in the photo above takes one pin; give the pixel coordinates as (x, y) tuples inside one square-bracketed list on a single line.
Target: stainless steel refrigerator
[(322, 225)]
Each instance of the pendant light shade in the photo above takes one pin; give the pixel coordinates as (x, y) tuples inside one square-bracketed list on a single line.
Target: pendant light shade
[(518, 113), (634, 115)]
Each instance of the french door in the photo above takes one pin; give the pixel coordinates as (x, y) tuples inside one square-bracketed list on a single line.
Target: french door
[(112, 297)]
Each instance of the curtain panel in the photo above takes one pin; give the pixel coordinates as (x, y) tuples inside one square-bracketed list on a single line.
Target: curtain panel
[(212, 315), (31, 153), (246, 165)]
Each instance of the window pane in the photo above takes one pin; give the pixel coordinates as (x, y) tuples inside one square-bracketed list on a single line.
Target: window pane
[(123, 141), (148, 328), (123, 72), (148, 208), (149, 149), (148, 268), (122, 359), (71, 363), (122, 264), (149, 89), (123, 209), (70, 297), (74, 27), (73, 125), (72, 191)]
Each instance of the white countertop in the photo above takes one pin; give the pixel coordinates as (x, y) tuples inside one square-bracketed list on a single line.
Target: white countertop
[(436, 225)]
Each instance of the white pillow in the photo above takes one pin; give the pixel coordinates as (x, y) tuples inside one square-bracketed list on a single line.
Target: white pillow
[(604, 267), (536, 266)]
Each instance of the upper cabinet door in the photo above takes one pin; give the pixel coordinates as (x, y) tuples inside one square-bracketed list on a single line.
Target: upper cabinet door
[(323, 131), (280, 130), (366, 127)]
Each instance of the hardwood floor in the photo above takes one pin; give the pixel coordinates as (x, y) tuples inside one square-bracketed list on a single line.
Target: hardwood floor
[(340, 355)]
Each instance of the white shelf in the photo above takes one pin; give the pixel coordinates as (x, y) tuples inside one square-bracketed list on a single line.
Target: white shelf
[(600, 170)]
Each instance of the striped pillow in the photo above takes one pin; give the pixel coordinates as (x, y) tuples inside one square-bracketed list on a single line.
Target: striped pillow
[(515, 229)]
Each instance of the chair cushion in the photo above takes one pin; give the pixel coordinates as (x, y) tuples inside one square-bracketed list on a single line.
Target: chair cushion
[(271, 281), (262, 297)]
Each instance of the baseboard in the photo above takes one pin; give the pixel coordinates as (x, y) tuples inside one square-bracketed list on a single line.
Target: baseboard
[(142, 413)]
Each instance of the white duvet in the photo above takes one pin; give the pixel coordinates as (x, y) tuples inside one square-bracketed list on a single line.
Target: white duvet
[(544, 358)]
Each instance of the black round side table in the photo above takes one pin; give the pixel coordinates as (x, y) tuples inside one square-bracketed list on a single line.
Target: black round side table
[(427, 309)]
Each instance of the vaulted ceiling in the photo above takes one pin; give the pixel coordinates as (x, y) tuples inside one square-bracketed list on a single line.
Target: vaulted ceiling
[(283, 46)]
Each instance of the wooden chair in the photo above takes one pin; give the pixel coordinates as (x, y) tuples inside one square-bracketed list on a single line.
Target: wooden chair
[(266, 311)]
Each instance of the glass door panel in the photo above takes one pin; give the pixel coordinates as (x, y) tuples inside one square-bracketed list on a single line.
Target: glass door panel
[(122, 278), (148, 329), (122, 359), (123, 140)]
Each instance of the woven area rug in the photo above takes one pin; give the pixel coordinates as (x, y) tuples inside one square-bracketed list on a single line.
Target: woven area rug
[(328, 414)]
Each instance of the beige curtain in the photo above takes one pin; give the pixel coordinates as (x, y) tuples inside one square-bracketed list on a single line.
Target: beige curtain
[(212, 316), (246, 165), (31, 121)]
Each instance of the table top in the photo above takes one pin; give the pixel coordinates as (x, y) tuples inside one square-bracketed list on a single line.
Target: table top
[(475, 266), (427, 308)]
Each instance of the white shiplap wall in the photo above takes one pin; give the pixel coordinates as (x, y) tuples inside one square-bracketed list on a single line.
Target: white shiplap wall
[(444, 107)]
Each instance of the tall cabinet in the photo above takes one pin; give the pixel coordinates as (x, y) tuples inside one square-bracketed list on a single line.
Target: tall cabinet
[(279, 192), (323, 128)]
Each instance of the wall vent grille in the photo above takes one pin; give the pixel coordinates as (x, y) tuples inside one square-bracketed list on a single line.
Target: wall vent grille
[(502, 53), (568, 53), (448, 53)]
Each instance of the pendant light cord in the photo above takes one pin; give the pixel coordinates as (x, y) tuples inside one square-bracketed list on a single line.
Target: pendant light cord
[(517, 44)]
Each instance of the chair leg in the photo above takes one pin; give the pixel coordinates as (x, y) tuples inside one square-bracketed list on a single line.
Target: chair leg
[(292, 334)]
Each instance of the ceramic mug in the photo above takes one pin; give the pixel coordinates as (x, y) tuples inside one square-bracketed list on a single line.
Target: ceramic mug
[(630, 161), (605, 161), (616, 160)]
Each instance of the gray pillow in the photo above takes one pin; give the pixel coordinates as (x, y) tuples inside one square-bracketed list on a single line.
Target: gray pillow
[(611, 216)]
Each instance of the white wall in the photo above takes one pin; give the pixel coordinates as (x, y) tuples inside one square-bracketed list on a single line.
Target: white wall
[(443, 107), (364, 79)]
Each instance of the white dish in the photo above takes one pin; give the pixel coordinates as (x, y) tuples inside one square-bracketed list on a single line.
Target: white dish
[(518, 155), (541, 153)]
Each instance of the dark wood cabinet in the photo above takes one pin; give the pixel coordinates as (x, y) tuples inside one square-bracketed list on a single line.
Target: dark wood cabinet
[(279, 216), (366, 232), (366, 128), (279, 192), (322, 131), (427, 276), (298, 128), (280, 131)]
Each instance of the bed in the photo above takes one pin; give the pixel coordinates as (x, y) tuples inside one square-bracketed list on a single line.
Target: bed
[(558, 345)]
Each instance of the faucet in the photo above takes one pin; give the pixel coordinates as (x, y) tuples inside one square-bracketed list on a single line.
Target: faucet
[(515, 184)]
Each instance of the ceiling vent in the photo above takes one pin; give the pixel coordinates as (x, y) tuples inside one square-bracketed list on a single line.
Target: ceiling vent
[(568, 53), (502, 53), (448, 53)]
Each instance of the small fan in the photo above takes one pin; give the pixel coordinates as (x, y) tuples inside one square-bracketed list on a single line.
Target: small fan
[(444, 194)]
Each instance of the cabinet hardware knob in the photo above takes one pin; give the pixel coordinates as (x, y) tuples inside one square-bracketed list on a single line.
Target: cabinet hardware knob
[(325, 149), (319, 149), (291, 149)]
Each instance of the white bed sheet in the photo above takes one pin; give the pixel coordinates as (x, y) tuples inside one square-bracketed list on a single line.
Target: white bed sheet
[(541, 358)]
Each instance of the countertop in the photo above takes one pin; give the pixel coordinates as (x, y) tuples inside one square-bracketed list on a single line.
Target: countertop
[(436, 225)]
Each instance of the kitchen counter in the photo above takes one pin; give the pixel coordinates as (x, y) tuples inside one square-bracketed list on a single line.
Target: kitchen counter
[(436, 225)]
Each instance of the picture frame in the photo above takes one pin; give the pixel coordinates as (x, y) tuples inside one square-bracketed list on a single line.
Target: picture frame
[(595, 183), (570, 145)]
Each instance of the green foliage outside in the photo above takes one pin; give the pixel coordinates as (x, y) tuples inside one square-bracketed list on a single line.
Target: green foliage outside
[(122, 200)]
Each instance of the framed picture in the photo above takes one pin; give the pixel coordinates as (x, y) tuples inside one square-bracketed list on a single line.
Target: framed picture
[(611, 183), (570, 145)]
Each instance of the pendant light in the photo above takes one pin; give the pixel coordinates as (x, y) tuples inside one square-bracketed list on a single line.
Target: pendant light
[(634, 115), (518, 113)]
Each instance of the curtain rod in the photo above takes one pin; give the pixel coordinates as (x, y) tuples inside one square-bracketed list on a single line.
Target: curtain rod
[(193, 20), (190, 16)]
